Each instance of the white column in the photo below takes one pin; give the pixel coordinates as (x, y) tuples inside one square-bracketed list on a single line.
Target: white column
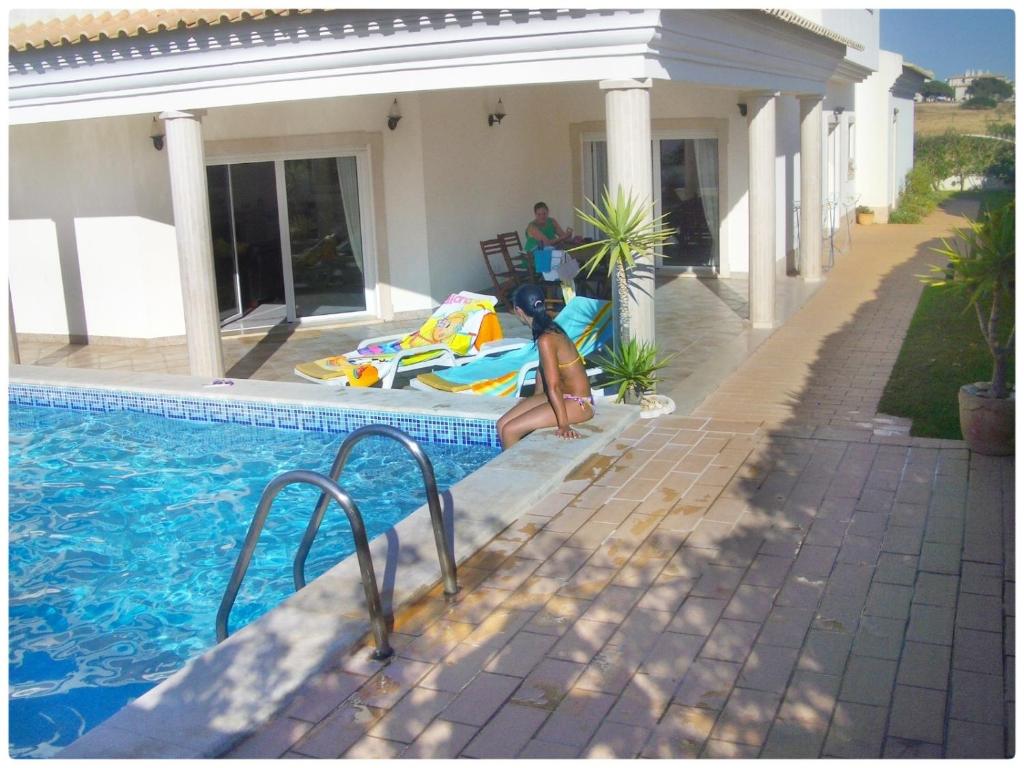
[(627, 105), (14, 357), (761, 133), (810, 187), (195, 244)]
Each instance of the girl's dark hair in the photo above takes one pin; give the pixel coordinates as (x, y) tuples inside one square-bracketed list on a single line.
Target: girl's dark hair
[(530, 299)]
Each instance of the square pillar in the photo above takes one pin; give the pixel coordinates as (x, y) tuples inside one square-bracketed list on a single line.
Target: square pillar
[(628, 120), (761, 136), (191, 205)]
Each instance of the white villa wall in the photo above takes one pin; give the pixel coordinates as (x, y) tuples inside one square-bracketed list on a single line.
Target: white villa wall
[(35, 281), (130, 279), (903, 133), (877, 173), (72, 174), (858, 24), (481, 180)]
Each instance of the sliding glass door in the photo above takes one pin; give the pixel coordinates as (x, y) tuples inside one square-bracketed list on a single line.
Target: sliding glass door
[(288, 238), (325, 236), (685, 179)]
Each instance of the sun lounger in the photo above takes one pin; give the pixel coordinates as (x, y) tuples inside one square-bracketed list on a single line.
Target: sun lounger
[(504, 369), (452, 335)]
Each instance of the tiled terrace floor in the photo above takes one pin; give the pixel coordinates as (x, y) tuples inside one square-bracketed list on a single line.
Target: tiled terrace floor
[(779, 574)]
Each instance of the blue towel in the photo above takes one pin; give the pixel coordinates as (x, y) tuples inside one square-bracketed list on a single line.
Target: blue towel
[(542, 259), (586, 321)]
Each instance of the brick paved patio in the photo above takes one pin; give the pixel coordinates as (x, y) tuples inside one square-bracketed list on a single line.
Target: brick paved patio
[(780, 574)]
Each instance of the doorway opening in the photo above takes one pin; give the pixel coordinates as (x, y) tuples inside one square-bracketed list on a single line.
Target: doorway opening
[(288, 240)]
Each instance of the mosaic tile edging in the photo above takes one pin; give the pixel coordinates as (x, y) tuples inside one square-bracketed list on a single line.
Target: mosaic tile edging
[(443, 430)]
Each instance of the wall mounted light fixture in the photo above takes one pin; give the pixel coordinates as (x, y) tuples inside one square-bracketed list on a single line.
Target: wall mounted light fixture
[(895, 113), (156, 134), (742, 108), (838, 111), (394, 115), (497, 115)]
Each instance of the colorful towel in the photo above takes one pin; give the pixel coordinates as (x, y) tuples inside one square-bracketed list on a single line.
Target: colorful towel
[(463, 322), (586, 321)]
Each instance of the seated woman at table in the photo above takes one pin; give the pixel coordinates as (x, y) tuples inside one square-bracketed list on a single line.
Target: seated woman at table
[(545, 232)]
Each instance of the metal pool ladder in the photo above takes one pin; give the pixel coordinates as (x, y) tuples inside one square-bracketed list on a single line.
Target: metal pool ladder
[(330, 489)]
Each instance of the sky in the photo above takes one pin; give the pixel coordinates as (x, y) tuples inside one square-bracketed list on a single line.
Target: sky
[(949, 42)]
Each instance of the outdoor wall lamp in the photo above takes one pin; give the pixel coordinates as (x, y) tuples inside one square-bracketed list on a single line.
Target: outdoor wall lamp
[(743, 109), (156, 135), (895, 113), (394, 115), (838, 111), (497, 115)]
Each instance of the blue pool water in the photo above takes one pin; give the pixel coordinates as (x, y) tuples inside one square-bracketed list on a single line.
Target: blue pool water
[(124, 528)]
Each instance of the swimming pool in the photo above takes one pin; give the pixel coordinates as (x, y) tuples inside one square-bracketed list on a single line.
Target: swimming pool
[(116, 573)]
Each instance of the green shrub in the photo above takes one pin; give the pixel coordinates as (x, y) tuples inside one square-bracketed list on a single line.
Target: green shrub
[(979, 102), (1004, 167), (919, 196), (1003, 130), (904, 216)]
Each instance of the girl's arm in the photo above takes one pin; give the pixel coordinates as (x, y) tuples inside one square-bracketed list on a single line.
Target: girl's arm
[(553, 383)]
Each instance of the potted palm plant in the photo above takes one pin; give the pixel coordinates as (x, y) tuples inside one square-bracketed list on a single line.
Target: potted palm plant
[(627, 230), (865, 214), (631, 369), (982, 260)]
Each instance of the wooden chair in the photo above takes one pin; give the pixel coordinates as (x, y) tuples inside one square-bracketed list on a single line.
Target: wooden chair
[(500, 268), (521, 262)]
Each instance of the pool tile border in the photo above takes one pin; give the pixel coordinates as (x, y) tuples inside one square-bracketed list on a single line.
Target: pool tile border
[(444, 430)]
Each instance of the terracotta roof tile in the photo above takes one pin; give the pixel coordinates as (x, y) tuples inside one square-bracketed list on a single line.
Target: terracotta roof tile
[(114, 24)]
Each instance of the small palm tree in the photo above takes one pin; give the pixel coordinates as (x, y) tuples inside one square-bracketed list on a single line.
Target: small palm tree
[(632, 368), (982, 260), (627, 233)]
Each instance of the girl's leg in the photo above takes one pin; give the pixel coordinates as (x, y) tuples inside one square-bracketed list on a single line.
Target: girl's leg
[(540, 417), (521, 407)]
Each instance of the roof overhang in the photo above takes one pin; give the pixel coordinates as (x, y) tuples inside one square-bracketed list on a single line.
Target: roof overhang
[(927, 74), (852, 72), (324, 54)]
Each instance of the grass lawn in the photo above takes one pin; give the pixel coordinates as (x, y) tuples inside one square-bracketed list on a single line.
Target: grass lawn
[(943, 350)]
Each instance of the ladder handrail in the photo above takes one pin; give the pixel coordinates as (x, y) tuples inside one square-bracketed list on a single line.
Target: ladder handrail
[(451, 586), (328, 487)]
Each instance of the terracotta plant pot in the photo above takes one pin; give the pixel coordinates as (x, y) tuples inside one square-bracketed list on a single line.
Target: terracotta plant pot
[(986, 422), (865, 218)]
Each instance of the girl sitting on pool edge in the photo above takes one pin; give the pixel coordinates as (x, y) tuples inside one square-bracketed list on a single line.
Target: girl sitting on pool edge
[(562, 393)]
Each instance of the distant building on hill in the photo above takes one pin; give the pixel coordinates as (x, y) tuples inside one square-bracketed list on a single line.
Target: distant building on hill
[(960, 83)]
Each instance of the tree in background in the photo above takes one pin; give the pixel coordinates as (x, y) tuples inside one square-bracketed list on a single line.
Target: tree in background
[(979, 102), (935, 89), (990, 88)]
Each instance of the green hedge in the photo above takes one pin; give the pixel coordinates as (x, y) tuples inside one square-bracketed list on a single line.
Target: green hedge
[(952, 154)]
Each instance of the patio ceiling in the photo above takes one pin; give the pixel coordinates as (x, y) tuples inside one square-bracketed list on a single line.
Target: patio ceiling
[(147, 62)]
